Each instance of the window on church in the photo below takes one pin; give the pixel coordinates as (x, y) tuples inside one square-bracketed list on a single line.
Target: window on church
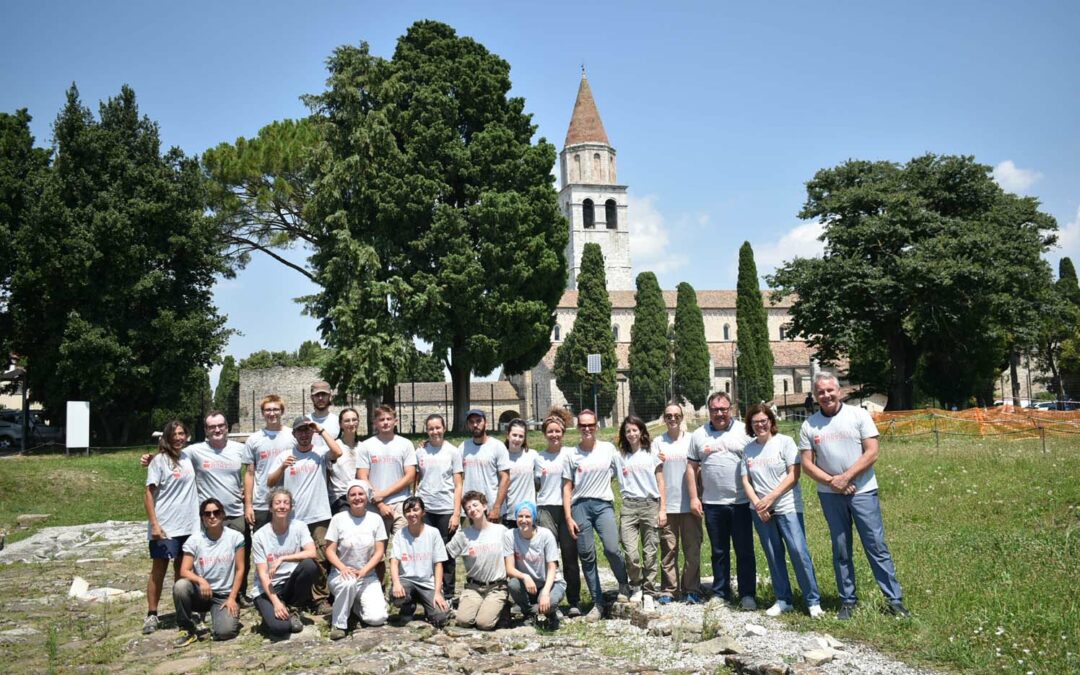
[(615, 332), (783, 333), (611, 214), (611, 169), (727, 387), (576, 177), (588, 214), (558, 333), (727, 332), (597, 168)]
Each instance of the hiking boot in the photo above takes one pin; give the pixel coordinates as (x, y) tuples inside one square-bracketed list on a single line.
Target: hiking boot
[(186, 638), (324, 608), (295, 624), (594, 615), (692, 599), (150, 624), (624, 593), (573, 612), (816, 612), (898, 610), (748, 603), (846, 611), (779, 608), (338, 633)]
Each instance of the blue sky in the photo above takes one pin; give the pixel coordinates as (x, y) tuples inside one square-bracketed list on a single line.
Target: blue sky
[(719, 111)]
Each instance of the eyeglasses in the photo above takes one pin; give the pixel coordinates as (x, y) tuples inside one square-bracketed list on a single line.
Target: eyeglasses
[(719, 410), (213, 513), (587, 426), (212, 427), (761, 423), (673, 417)]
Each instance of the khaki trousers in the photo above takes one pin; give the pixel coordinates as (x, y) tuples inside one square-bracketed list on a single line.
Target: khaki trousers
[(682, 529), (481, 605)]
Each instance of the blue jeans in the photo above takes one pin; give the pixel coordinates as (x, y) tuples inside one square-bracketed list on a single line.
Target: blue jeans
[(865, 510), (598, 515), (787, 530), (729, 526)]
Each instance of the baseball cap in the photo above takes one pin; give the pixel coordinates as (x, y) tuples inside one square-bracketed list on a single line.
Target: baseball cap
[(475, 411), (321, 387), (303, 421)]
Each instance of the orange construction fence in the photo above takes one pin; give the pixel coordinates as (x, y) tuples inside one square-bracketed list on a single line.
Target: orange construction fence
[(1000, 421)]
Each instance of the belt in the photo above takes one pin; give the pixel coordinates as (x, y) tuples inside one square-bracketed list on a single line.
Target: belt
[(641, 499), (482, 585)]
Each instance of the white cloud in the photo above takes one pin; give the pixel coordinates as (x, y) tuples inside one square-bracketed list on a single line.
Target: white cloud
[(649, 238), (1011, 178), (801, 241)]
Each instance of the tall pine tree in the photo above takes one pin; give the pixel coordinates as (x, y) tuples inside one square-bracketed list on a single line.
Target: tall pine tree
[(691, 375), (755, 362), (227, 394), (650, 351), (591, 334)]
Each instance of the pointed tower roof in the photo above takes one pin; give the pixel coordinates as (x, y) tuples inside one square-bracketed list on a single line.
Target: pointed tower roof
[(585, 124)]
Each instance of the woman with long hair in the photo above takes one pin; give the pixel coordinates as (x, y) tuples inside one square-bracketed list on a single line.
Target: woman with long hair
[(641, 480), (522, 469), (343, 470), (172, 507), (440, 479), (770, 476), (548, 474)]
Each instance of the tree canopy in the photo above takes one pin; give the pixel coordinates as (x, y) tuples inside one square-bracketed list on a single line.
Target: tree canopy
[(691, 377), (110, 295), (650, 351), (926, 262), (590, 334), (755, 362), (436, 213)]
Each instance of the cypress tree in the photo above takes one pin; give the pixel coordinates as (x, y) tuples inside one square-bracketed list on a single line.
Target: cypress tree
[(591, 334), (691, 370), (755, 362), (1067, 284), (227, 394), (650, 351)]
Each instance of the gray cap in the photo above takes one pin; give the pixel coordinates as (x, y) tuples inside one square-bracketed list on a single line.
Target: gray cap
[(303, 421)]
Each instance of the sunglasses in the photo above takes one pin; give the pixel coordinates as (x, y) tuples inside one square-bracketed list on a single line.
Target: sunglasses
[(586, 426), (719, 410), (673, 417), (214, 513)]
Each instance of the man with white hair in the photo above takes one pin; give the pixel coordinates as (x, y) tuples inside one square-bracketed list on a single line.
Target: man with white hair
[(839, 445)]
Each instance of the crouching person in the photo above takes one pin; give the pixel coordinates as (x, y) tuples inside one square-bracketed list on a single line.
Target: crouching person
[(532, 567), (481, 544), (211, 574), (285, 568), (416, 567), (355, 543)]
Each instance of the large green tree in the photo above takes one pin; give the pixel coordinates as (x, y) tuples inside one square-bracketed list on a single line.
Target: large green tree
[(650, 350), (755, 362), (590, 334), (21, 167), (227, 394), (690, 374), (438, 211), (1066, 377), (925, 258), (111, 296)]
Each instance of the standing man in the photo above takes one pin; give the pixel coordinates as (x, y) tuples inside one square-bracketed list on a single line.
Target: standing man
[(302, 471), (839, 445), (487, 464), (682, 525), (320, 414), (388, 462), (260, 451), (716, 454)]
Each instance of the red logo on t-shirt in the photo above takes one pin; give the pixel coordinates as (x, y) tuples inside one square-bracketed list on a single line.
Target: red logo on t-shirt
[(626, 471), (404, 557), (176, 473), (817, 439), (202, 561), (580, 469), (292, 471), (206, 464), (263, 454), (471, 552)]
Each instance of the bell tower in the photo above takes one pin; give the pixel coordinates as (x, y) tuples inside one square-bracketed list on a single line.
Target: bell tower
[(591, 198)]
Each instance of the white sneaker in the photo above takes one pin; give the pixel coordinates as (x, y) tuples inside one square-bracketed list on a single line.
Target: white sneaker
[(779, 608), (648, 604), (816, 611), (636, 597)]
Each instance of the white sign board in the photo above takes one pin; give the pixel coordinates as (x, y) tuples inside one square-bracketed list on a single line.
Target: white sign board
[(593, 365), (78, 424)]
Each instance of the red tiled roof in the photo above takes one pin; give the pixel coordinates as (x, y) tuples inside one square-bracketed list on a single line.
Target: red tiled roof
[(585, 124)]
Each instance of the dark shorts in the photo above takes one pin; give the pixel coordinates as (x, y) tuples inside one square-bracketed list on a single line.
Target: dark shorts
[(167, 549)]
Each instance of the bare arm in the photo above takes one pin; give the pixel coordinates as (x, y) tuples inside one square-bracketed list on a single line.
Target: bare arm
[(249, 489), (404, 482), (661, 513), (151, 513), (331, 445), (455, 515), (567, 502), (692, 471), (812, 469), (500, 496)]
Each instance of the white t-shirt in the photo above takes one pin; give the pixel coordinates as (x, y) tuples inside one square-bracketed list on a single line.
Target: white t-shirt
[(636, 474), (386, 462), (482, 465), (548, 470), (330, 423), (176, 500), (674, 454), (306, 479), (531, 556), (267, 546), (719, 455), (218, 474), (343, 469), (522, 481), (213, 560), (482, 550), (356, 537), (837, 443), (767, 465), (591, 471), (437, 467), (419, 555), (260, 450)]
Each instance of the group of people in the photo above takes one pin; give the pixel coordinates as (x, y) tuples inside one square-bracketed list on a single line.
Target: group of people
[(320, 515)]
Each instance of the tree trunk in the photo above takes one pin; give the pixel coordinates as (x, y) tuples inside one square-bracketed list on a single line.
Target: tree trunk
[(460, 374), (1014, 363), (903, 357), (1055, 383), (106, 430)]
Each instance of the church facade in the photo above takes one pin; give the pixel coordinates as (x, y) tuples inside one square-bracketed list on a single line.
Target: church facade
[(596, 209)]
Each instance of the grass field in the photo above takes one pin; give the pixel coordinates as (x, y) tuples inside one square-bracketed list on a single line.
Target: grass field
[(984, 533)]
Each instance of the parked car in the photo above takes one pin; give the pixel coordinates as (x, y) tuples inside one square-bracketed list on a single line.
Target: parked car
[(1057, 405), (41, 433)]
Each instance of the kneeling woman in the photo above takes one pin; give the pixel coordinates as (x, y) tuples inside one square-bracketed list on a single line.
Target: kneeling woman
[(532, 567), (416, 567), (770, 475), (481, 544), (211, 574), (355, 543), (285, 568)]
